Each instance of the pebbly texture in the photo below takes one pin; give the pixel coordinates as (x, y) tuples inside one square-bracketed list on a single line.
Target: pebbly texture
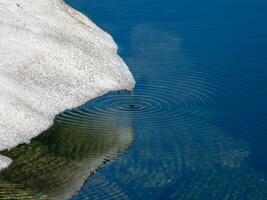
[(52, 58)]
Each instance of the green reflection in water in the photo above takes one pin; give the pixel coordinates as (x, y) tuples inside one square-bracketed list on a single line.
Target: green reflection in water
[(56, 164)]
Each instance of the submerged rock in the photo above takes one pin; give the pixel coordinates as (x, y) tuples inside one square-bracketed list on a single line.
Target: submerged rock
[(52, 58)]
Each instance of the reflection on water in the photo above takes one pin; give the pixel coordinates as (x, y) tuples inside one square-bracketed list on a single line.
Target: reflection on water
[(198, 110), (200, 113), (57, 163), (179, 153)]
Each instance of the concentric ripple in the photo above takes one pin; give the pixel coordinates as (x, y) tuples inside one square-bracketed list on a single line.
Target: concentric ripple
[(190, 128), (56, 164), (185, 121)]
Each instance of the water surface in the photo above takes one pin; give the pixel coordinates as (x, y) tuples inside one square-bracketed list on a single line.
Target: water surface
[(196, 125), (199, 114)]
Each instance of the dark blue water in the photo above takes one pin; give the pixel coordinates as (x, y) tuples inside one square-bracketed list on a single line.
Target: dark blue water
[(199, 108), (195, 127)]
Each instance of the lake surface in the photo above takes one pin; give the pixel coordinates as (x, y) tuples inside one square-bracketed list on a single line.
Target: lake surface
[(195, 126)]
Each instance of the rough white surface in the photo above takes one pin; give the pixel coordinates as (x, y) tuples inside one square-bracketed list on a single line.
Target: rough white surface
[(52, 58), (4, 162)]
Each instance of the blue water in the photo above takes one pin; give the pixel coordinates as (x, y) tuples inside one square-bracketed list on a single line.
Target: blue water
[(195, 127), (199, 108)]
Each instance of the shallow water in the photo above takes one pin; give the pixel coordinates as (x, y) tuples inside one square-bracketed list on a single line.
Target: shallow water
[(195, 126)]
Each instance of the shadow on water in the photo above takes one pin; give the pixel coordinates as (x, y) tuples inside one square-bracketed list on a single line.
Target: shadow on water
[(56, 164)]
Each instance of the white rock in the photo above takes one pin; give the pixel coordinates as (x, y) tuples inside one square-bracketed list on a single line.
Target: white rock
[(4, 162), (52, 58)]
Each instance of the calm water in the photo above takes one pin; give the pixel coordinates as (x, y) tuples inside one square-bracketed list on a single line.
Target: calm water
[(195, 127)]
